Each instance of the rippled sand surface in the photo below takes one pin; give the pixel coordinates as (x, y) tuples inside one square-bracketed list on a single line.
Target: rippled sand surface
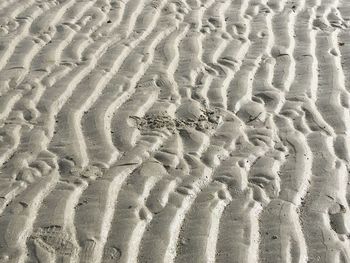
[(174, 131)]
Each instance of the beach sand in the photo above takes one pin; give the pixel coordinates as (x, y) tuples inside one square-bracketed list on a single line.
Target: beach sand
[(174, 131)]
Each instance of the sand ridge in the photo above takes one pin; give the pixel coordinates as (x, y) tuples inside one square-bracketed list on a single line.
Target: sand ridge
[(174, 131)]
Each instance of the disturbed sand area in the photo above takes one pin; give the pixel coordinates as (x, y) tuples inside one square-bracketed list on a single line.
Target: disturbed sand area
[(174, 131)]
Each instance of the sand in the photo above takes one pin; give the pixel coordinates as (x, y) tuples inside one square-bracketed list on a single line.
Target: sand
[(174, 131)]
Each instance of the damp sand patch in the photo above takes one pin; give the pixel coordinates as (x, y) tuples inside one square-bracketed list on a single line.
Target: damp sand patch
[(208, 120)]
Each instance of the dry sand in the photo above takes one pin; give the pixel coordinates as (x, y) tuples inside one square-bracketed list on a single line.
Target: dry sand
[(174, 131)]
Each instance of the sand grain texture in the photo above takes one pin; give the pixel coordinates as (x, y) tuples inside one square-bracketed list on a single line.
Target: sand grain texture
[(174, 131)]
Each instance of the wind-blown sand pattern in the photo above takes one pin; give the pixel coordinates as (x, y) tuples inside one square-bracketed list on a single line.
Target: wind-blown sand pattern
[(174, 131)]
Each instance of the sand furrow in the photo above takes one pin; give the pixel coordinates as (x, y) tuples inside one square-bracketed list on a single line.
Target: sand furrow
[(282, 235), (331, 79), (305, 81), (241, 88), (135, 215), (93, 234), (343, 40), (200, 228), (324, 220), (199, 232), (283, 26), (160, 240), (19, 217)]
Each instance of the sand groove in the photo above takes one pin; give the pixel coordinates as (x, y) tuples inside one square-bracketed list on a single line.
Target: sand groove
[(174, 131)]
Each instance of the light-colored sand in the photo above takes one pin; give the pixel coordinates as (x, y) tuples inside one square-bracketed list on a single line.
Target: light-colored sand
[(174, 131)]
